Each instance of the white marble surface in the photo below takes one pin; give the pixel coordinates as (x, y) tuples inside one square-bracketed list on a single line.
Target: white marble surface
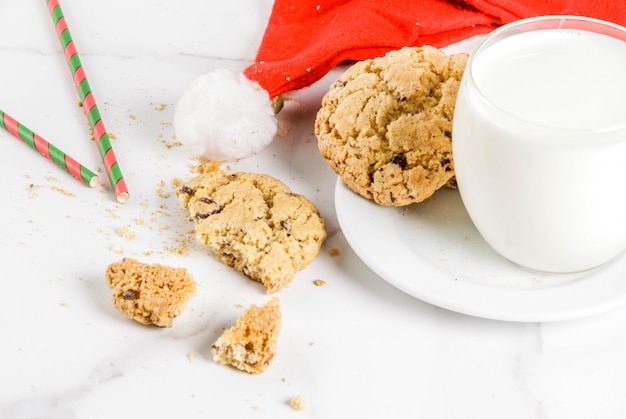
[(357, 347)]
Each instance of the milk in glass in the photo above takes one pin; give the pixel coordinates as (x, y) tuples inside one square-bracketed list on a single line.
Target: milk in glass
[(539, 145)]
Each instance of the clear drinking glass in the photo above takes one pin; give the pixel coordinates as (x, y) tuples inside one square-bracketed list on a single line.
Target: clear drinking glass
[(539, 142)]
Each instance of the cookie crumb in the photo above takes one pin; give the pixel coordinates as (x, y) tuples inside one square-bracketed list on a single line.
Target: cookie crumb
[(62, 191), (205, 166), (126, 233), (319, 283), (333, 251), (168, 144), (298, 402), (117, 248), (160, 190)]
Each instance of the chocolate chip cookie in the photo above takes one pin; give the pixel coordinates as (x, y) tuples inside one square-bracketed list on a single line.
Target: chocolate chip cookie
[(254, 223), (385, 125)]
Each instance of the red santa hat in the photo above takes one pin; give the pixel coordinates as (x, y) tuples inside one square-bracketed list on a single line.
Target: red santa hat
[(227, 116)]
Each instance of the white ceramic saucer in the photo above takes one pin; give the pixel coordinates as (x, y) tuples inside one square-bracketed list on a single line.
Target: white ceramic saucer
[(432, 251)]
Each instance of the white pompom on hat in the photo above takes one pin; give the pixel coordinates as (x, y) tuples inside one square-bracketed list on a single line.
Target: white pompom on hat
[(224, 116)]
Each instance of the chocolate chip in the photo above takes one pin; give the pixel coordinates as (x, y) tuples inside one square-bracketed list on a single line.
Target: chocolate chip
[(208, 212), (286, 225), (130, 295), (400, 160), (186, 190)]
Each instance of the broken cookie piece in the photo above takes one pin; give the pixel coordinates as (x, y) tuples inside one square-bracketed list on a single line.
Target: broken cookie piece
[(254, 223), (250, 345), (150, 294)]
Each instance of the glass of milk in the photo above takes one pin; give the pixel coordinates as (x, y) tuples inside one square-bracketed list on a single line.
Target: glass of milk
[(539, 142)]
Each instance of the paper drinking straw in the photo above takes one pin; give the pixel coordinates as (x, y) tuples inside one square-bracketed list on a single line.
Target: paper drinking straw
[(49, 151), (90, 108)]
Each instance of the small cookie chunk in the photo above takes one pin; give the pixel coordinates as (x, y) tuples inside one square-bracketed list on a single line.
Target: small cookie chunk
[(250, 345), (254, 223), (385, 125), (150, 294), (298, 402)]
